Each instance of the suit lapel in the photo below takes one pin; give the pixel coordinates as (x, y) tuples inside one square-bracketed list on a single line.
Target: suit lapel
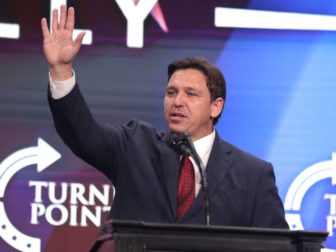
[(220, 162), (218, 165), (170, 162)]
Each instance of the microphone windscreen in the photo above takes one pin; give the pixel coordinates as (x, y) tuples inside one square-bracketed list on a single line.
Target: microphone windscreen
[(178, 143)]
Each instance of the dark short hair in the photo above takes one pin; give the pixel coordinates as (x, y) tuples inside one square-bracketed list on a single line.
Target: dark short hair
[(215, 79)]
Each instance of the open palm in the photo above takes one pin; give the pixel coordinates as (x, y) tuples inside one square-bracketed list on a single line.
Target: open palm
[(59, 47)]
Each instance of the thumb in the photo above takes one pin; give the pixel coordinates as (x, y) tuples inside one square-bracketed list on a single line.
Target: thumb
[(78, 41)]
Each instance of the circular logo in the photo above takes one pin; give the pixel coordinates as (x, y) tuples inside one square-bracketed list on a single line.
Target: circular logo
[(299, 189), (43, 155)]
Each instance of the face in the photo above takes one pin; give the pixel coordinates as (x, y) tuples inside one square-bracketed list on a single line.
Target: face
[(188, 106)]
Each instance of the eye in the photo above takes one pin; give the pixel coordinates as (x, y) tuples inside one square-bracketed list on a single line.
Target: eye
[(192, 93), (170, 92)]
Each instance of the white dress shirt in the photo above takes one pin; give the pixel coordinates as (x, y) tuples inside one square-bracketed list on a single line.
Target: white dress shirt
[(203, 148)]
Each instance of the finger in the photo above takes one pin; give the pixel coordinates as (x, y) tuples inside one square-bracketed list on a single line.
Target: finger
[(70, 23), (54, 20), (79, 39), (62, 17), (44, 27)]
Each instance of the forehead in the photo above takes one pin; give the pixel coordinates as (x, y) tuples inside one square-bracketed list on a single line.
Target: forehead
[(189, 76)]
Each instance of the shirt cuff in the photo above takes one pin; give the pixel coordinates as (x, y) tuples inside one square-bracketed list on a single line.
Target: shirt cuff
[(60, 89)]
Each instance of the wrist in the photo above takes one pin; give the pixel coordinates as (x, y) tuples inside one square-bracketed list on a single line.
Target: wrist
[(61, 72)]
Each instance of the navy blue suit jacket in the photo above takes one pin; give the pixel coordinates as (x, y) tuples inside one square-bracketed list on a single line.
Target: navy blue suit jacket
[(144, 171)]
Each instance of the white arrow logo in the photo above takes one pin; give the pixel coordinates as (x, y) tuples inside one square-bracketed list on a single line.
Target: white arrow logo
[(43, 155), (302, 183)]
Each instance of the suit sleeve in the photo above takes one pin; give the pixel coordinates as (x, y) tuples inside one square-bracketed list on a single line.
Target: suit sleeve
[(99, 145), (268, 207)]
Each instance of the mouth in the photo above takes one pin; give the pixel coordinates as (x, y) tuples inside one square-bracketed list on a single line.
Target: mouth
[(177, 115)]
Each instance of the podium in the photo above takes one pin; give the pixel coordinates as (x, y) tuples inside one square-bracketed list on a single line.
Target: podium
[(133, 236)]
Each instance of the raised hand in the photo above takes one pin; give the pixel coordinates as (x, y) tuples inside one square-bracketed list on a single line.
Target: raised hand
[(59, 47)]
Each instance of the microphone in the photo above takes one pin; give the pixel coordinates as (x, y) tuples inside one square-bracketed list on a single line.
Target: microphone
[(182, 144), (179, 143)]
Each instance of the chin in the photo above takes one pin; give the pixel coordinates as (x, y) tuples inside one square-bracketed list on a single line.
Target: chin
[(176, 129)]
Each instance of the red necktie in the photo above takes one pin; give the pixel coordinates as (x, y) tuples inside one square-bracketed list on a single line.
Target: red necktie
[(186, 187)]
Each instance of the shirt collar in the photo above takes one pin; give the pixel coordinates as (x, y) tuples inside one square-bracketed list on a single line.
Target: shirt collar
[(204, 145)]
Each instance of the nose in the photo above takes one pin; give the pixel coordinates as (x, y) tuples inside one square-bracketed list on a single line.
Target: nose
[(179, 100)]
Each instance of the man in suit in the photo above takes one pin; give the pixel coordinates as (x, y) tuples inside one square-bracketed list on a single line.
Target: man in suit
[(141, 166)]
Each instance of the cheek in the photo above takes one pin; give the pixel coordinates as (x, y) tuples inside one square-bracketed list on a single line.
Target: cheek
[(201, 109), (166, 106), (201, 113), (165, 103)]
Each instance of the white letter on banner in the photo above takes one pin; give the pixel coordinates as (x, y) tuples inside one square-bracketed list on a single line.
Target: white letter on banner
[(331, 224), (135, 15), (37, 210), (38, 189), (332, 198)]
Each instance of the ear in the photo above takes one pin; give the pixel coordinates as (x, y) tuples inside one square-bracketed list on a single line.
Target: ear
[(217, 107)]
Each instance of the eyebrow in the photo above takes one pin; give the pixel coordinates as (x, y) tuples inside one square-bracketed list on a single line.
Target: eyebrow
[(183, 88), (192, 89)]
